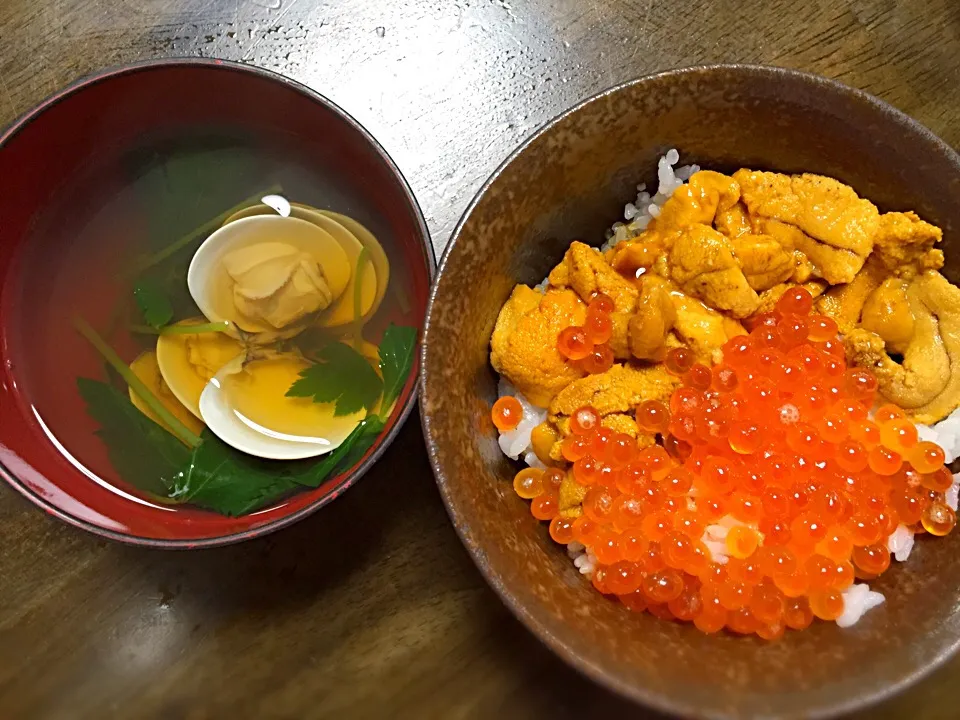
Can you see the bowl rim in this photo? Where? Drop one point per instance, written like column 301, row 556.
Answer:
column 639, row 694
column 383, row 442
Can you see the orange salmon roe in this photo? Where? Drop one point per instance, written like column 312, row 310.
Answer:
column 926, row 457
column 588, row 344
column 584, row 421
column 795, row 301
column 653, row 416
column 507, row 413
column 678, row 361
column 601, row 303
column 598, row 360
column 528, row 483
column 561, row 530
column 938, row 519
column 598, row 327
column 826, row 604
column 545, row 506
column 772, row 490
column 698, row 377
column 574, row 344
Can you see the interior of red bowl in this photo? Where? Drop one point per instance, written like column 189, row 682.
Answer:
column 72, row 159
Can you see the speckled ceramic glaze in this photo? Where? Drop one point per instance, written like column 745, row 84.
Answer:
column 570, row 181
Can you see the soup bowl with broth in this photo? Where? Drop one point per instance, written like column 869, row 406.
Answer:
column 210, row 306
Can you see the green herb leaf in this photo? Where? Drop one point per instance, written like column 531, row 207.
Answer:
column 217, row 477
column 184, row 186
column 143, row 453
column 346, row 456
column 222, row 479
column 153, row 302
column 227, row 481
column 341, row 376
column 396, row 359
column 214, row 475
column 135, row 383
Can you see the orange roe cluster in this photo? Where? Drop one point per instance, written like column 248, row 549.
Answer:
column 587, row 345
column 771, row 493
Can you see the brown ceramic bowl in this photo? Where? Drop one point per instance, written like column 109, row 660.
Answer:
column 571, row 180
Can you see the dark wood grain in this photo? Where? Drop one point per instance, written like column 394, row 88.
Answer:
column 371, row 608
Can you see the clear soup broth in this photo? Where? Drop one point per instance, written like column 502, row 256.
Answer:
column 322, row 339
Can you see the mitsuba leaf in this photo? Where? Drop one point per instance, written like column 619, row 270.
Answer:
column 229, row 482
column 396, row 359
column 182, row 186
column 344, row 457
column 153, row 302
column 220, row 478
column 143, row 453
column 342, row 376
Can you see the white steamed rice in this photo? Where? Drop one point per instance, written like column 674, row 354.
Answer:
column 515, row 444
column 946, row 434
column 857, row 599
column 646, row 207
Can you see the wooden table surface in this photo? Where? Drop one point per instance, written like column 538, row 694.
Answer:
column 371, row 607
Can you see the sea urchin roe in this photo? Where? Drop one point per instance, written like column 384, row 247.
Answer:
column 771, row 492
column 542, row 439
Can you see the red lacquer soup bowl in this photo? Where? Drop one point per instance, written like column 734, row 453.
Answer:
column 123, row 163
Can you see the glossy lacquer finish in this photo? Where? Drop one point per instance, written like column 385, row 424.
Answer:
column 91, row 122
column 568, row 182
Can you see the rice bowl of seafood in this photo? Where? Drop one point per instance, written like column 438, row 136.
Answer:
column 702, row 448
column 723, row 389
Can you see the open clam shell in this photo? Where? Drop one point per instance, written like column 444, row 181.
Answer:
column 212, row 286
column 242, row 406
column 353, row 236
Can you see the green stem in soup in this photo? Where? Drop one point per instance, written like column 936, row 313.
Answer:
column 402, row 300
column 182, row 329
column 201, row 231
column 137, row 385
column 397, row 349
column 358, row 299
